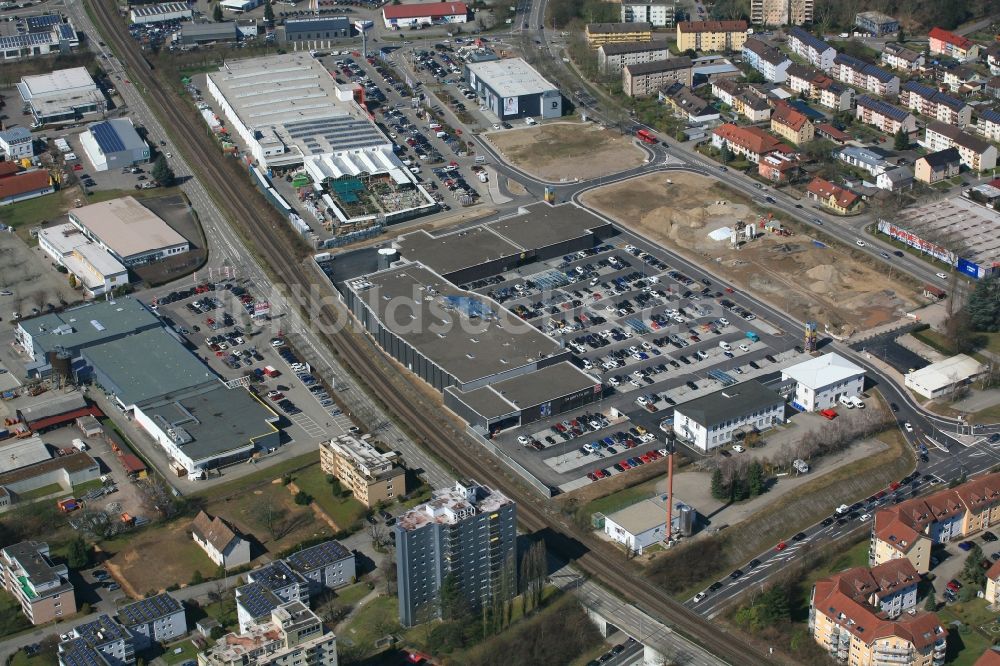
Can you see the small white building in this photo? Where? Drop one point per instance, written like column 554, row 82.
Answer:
column 223, row 544
column 241, row 6
column 944, row 377
column 821, row 381
column 711, row 420
column 16, row 143
column 167, row 11
column 643, row 524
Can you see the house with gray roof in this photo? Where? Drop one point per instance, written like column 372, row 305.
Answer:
column 223, row 543
column 712, row 420
column 156, row 619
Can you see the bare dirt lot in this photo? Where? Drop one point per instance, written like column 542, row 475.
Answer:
column 809, row 280
column 567, row 151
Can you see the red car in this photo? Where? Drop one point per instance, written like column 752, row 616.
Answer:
column 592, row 476
column 77, row 167
column 828, row 414
column 781, row 546
column 894, row 485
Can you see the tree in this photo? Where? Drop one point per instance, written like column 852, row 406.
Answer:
column 302, row 498
column 453, row 604
column 930, row 604
column 77, row 554
column 983, row 307
column 197, row 577
column 724, row 153
column 217, row 13
column 161, row 172
column 972, row 571
column 902, row 140
column 755, row 478
column 268, row 11
column 72, row 281
column 719, row 489
column 900, row 36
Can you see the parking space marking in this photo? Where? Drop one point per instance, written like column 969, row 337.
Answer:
column 306, row 422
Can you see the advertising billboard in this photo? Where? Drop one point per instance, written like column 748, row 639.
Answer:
column 913, row 240
column 509, row 106
column 971, row 269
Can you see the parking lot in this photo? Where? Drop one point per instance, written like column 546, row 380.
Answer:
column 217, row 321
column 654, row 335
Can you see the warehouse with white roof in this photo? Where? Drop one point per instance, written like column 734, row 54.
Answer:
column 821, row 381
column 511, row 88
column 96, row 270
column 132, row 233
column 62, row 96
column 290, row 112
column 944, row 377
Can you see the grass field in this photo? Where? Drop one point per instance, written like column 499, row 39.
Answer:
column 187, row 651
column 38, row 493
column 44, row 658
column 966, row 643
column 261, row 477
column 622, row 498
column 157, row 557
column 12, row 620
column 344, row 510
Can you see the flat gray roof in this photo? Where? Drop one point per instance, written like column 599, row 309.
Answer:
column 216, row 419
column 485, row 401
column 969, row 229
column 88, row 324
column 510, row 77
column 456, row 250
column 732, row 402
column 533, row 227
column 148, row 365
column 467, row 335
column 554, row 381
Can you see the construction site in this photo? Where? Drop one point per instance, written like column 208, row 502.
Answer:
column 807, row 278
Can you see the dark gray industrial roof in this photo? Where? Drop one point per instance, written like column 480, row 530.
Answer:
column 532, row 227
column 148, row 365
column 148, row 610
column 525, row 391
column 102, row 631
column 88, row 324
column 469, row 339
column 294, row 25
column 618, row 27
column 223, row 29
column 212, row 420
column 732, row 402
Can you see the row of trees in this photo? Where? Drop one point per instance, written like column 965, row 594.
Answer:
column 735, row 480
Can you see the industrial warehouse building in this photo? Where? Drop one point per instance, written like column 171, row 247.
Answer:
column 132, row 233
column 963, row 223
column 291, row 113
column 714, row 419
column 46, row 34
column 62, row 96
column 95, row 269
column 208, row 33
column 944, row 377
column 820, row 382
column 511, row 88
column 113, row 144
column 495, row 370
column 167, row 11
column 319, row 31
column 398, row 16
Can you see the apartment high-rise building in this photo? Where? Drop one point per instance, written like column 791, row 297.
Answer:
column 42, row 588
column 464, row 535
column 293, row 636
column 781, row 12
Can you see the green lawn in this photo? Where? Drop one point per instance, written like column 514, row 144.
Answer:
column 31, row 212
column 44, row 658
column 260, row 477
column 375, row 620
column 343, row 510
column 38, row 493
column 623, row 498
column 187, row 651
column 87, row 486
column 965, row 642
column 352, row 594
column 12, row 620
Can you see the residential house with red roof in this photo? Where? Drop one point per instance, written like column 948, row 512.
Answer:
column 867, row 616
column 424, row 13
column 791, row 124
column 946, row 43
column 749, row 142
column 832, row 196
column 20, row 185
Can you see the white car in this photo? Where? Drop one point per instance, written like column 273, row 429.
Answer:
column 860, row 243
column 6, row 292
column 907, row 427
column 496, row 126
column 943, row 276
column 613, row 381
column 842, row 509
column 745, row 348
column 642, row 401
column 866, row 517
column 738, row 449
column 522, row 440
column 698, row 597
column 723, row 321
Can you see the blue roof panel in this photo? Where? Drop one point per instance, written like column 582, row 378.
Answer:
column 107, row 138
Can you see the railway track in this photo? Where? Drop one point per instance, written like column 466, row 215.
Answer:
column 274, row 241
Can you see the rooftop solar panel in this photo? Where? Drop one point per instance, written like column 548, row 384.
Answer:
column 318, row 556
column 257, row 600
column 148, row 610
column 43, row 22
column 107, row 138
